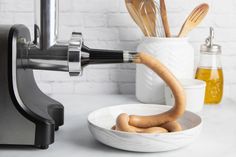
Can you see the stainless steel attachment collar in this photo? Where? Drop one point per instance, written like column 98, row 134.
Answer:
column 74, row 54
column 129, row 57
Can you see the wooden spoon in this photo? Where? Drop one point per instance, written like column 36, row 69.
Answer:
column 194, row 19
column 165, row 18
column 147, row 12
column 139, row 13
column 135, row 15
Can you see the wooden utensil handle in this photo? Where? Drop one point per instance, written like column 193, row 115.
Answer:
column 165, row 18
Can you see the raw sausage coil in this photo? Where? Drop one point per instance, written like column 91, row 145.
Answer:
column 161, row 122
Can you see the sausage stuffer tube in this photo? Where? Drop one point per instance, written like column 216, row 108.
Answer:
column 69, row 57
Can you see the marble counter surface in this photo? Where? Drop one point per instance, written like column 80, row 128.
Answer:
column 218, row 137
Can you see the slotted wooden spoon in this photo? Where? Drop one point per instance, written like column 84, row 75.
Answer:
column 194, row 19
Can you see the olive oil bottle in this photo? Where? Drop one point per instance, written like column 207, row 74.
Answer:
column 214, row 83
column 210, row 70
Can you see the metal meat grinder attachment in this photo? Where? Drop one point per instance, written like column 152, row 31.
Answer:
column 28, row 116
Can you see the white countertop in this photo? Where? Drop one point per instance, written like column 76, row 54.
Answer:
column 217, row 139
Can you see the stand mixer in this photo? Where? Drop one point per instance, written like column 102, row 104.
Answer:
column 28, row 116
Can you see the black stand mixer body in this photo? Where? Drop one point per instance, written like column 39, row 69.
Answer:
column 28, row 116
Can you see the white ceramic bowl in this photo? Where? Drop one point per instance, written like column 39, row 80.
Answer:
column 195, row 94
column 101, row 121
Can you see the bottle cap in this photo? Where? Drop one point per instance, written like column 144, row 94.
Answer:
column 209, row 47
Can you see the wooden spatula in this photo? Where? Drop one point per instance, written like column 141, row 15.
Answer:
column 194, row 19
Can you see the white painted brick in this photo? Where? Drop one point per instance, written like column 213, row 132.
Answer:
column 232, row 93
column 96, row 5
column 51, row 76
column 127, row 88
column 95, row 75
column 229, row 62
column 128, row 45
column 96, row 88
column 122, row 75
column 19, row 6
column 226, row 91
column 45, row 87
column 226, row 35
column 3, row 6
column 122, row 7
column 66, row 31
column 177, row 7
column 6, row 18
column 103, row 66
column 228, row 48
column 219, row 6
column 95, row 20
column 37, row 75
column 71, row 19
column 196, row 46
column 229, row 76
column 102, row 44
column 63, row 87
column 130, row 34
column 102, row 34
column 24, row 18
column 181, row 5
column 208, row 20
column 200, row 34
column 65, row 5
column 120, row 20
column 128, row 66
column 175, row 30
column 234, row 6
column 225, row 20
column 176, row 19
column 114, row 45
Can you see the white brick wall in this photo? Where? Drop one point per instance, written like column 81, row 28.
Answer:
column 106, row 24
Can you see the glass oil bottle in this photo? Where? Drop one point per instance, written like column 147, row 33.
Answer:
column 210, row 70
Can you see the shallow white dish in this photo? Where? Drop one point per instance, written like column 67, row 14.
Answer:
column 101, row 121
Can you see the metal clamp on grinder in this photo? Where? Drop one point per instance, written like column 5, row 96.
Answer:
column 28, row 116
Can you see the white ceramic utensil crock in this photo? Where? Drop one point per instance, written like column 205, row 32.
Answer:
column 175, row 53
column 101, row 121
column 195, row 94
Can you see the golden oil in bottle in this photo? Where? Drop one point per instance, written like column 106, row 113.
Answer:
column 210, row 70
column 214, row 83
